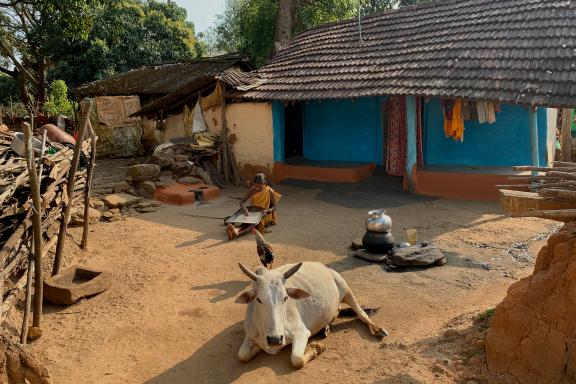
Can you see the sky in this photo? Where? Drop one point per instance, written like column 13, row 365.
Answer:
column 202, row 12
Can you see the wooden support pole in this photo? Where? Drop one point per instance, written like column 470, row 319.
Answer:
column 86, row 107
column 411, row 141
column 88, row 187
column 566, row 135
column 36, row 227
column 30, row 272
column 226, row 162
column 533, row 124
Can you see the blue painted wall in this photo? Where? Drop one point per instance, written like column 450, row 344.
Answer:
column 504, row 143
column 344, row 130
column 278, row 126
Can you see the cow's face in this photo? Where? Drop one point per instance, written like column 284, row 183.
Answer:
column 269, row 297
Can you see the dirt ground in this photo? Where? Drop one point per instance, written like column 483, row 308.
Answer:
column 171, row 316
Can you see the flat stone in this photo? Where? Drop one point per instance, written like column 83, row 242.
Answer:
column 181, row 168
column 77, row 218
column 149, row 187
column 147, row 209
column 165, row 183
column 143, row 172
column 417, row 256
column 372, row 257
column 121, row 187
column 190, row 180
column 96, row 203
column 119, row 200
column 148, row 203
column 163, row 160
column 181, row 158
column 357, row 244
column 108, row 215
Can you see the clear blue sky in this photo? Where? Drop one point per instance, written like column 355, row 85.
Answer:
column 202, row 12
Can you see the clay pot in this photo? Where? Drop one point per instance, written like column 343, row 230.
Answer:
column 378, row 242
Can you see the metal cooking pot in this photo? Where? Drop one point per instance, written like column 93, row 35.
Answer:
column 378, row 221
column 378, row 242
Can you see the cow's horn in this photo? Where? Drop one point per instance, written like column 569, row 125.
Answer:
column 292, row 271
column 248, row 272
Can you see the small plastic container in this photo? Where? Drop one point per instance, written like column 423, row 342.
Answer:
column 412, row 236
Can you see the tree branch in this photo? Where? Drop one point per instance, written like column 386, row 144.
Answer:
column 8, row 52
column 8, row 72
column 12, row 3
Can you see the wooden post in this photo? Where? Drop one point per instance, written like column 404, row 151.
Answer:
column 533, row 123
column 566, row 135
column 86, row 107
column 36, row 228
column 24, row 330
column 411, row 141
column 88, row 187
column 226, row 162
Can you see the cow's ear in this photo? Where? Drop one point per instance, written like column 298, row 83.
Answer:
column 297, row 293
column 246, row 297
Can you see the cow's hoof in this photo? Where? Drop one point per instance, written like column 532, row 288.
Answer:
column 318, row 348
column 326, row 331
column 378, row 331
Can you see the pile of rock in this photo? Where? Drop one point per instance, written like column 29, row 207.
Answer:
column 115, row 207
column 183, row 162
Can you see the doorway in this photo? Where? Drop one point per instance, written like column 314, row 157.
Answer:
column 294, row 131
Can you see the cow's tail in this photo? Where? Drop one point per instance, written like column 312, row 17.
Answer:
column 349, row 312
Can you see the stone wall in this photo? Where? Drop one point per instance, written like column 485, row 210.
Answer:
column 532, row 338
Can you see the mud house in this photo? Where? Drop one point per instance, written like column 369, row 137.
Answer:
column 151, row 104
column 448, row 94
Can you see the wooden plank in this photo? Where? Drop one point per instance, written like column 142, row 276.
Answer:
column 520, row 201
column 566, row 135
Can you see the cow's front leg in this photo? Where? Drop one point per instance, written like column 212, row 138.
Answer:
column 301, row 353
column 248, row 350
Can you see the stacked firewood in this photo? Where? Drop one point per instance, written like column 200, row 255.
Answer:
column 16, row 209
column 552, row 191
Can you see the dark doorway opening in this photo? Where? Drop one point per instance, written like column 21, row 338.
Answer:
column 294, row 130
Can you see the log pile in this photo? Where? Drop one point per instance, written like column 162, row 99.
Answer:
column 548, row 193
column 16, row 210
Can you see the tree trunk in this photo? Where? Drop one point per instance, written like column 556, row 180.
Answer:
column 284, row 24
column 23, row 90
column 41, row 95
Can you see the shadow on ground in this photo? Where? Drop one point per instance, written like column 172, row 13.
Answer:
column 379, row 190
column 199, row 368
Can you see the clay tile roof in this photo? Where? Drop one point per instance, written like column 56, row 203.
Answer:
column 163, row 79
column 517, row 51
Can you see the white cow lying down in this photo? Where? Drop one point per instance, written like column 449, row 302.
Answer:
column 291, row 303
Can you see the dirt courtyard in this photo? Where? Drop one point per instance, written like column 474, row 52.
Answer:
column 171, row 316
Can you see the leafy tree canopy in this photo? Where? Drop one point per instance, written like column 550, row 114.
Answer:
column 127, row 35
column 248, row 26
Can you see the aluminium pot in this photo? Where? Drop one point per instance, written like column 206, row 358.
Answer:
column 378, row 221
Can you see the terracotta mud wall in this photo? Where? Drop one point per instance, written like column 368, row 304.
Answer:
column 532, row 338
column 250, row 134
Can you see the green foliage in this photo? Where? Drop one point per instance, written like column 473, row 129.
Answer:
column 8, row 89
column 128, row 34
column 58, row 103
column 249, row 26
column 486, row 314
column 30, row 32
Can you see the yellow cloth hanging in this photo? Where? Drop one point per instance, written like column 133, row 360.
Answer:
column 454, row 121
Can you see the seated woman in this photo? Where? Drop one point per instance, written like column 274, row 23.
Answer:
column 261, row 196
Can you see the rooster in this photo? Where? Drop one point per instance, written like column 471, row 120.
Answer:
column 264, row 250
